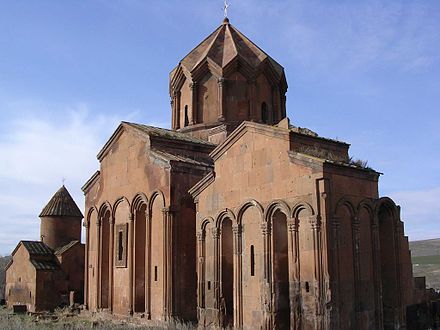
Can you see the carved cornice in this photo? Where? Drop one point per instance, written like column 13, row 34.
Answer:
column 201, row 235
column 236, row 229
column 265, row 228
column 215, row 233
column 315, row 222
column 292, row 225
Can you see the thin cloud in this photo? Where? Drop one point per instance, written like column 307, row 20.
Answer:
column 420, row 212
column 37, row 152
column 350, row 36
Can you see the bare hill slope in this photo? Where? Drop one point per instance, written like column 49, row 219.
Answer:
column 426, row 261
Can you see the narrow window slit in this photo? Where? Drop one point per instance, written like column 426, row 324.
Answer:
column 252, row 261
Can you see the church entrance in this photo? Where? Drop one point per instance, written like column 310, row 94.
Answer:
column 226, row 299
column 280, row 271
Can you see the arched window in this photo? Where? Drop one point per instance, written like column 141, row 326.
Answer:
column 186, row 116
column 264, row 113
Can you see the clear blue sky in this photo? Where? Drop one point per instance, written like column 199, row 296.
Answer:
column 366, row 72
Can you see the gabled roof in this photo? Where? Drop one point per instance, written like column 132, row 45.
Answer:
column 240, row 131
column 40, row 255
column 35, row 248
column 90, row 182
column 61, row 205
column 45, row 264
column 182, row 159
column 202, row 185
column 224, row 45
column 168, row 134
column 151, row 131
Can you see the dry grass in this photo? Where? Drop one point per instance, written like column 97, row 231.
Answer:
column 66, row 320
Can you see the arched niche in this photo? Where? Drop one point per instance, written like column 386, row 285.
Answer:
column 388, row 262
column 92, row 267
column 251, row 217
column 280, row 269
column 366, row 285
column 157, row 261
column 345, row 214
column 307, row 264
column 227, row 272
column 105, row 257
column 121, row 273
column 140, row 253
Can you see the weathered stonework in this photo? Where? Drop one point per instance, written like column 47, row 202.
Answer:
column 237, row 218
column 43, row 274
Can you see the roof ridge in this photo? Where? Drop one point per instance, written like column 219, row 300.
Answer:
column 66, row 247
column 178, row 135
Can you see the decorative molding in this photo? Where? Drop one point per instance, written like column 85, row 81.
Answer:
column 265, row 228
column 200, row 186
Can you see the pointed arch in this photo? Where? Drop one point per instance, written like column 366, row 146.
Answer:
column 205, row 222
column 138, row 200
column 104, row 255
column 389, row 205
column 299, row 207
column 345, row 201
column 226, row 213
column 368, row 205
column 89, row 215
column 249, row 203
column 275, row 205
column 156, row 194
column 119, row 201
column 386, row 215
column 105, row 206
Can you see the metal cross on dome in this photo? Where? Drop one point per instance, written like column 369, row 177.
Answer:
column 225, row 8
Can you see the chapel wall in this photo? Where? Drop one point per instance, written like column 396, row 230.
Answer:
column 21, row 281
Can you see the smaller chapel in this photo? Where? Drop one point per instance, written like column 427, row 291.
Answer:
column 237, row 218
column 49, row 273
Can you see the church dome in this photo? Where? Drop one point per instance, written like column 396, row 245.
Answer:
column 61, row 205
column 225, row 45
column 223, row 81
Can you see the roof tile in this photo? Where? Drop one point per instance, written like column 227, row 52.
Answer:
column 61, row 205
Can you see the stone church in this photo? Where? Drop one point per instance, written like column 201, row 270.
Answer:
column 43, row 275
column 235, row 217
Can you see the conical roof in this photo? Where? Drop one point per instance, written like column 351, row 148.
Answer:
column 224, row 45
column 61, row 205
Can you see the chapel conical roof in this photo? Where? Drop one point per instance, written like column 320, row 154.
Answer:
column 61, row 205
column 223, row 46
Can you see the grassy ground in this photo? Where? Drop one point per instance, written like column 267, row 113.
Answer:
column 426, row 261
column 69, row 321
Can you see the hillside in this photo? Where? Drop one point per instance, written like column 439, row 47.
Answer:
column 3, row 262
column 426, row 261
